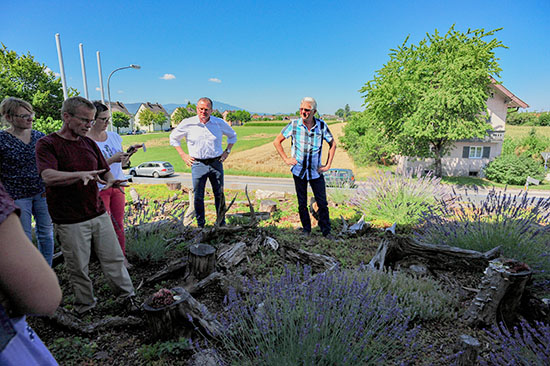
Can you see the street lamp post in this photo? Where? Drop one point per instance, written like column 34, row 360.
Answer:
column 132, row 66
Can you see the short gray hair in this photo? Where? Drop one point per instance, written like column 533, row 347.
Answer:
column 311, row 101
column 205, row 99
column 70, row 105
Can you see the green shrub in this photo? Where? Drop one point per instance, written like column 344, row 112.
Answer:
column 331, row 319
column 512, row 169
column 532, row 145
column 158, row 350
column 400, row 198
column 544, row 119
column 420, row 298
column 146, row 247
column 518, row 224
column 339, row 195
column 72, row 351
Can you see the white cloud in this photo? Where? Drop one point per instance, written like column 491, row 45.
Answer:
column 168, row 77
column 120, row 91
column 56, row 74
column 215, row 80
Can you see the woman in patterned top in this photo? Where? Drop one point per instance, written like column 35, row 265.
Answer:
column 19, row 174
column 110, row 144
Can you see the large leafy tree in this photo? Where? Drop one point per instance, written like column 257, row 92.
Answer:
column 429, row 95
column 181, row 114
column 120, row 120
column 23, row 77
column 160, row 119
column 146, row 117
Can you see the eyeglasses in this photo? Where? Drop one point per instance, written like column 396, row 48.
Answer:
column 104, row 120
column 24, row 116
column 84, row 120
column 305, row 109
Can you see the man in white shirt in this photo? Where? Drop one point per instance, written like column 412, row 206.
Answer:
column 204, row 134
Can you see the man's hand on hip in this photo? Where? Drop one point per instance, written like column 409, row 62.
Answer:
column 224, row 156
column 291, row 161
column 323, row 168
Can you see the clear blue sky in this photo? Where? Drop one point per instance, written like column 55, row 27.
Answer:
column 265, row 56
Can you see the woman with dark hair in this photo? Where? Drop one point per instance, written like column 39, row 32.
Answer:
column 110, row 144
column 19, row 174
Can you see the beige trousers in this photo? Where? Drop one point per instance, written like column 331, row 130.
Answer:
column 77, row 241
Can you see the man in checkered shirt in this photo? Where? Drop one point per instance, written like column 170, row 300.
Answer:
column 307, row 135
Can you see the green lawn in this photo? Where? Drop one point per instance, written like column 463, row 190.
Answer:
column 158, row 146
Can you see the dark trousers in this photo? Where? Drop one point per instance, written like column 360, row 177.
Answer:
column 320, row 194
column 200, row 172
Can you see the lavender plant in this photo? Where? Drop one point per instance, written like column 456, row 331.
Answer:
column 525, row 346
column 329, row 319
column 515, row 222
column 401, row 198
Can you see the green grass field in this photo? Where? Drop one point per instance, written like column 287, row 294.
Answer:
column 522, row 131
column 158, row 146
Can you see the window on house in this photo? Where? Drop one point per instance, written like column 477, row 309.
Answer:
column 476, row 152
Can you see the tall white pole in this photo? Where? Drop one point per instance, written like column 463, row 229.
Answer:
column 100, row 79
column 83, row 65
column 61, row 66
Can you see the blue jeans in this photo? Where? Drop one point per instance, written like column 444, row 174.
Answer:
column 36, row 206
column 320, row 193
column 200, row 172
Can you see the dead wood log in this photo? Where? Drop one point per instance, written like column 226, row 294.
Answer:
column 202, row 260
column 204, row 283
column 69, row 321
column 395, row 247
column 172, row 269
column 469, row 348
column 359, row 228
column 232, row 256
column 318, row 262
column 500, row 293
column 198, row 314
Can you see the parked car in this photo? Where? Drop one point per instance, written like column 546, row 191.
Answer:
column 343, row 178
column 153, row 169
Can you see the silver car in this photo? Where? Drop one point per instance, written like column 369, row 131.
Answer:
column 153, row 169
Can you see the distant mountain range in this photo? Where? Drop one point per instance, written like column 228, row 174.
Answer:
column 170, row 107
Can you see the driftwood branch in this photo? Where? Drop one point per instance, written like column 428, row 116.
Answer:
column 67, row 320
column 318, row 262
column 173, row 269
column 394, row 248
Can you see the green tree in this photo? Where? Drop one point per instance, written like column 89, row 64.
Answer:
column 47, row 125
column 146, row 118
column 431, row 94
column 181, row 114
column 340, row 113
column 346, row 112
column 242, row 116
column 25, row 78
column 217, row 113
column 120, row 120
column 160, row 119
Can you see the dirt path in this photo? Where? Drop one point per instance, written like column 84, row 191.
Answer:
column 266, row 159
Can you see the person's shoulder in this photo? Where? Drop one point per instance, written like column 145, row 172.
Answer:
column 114, row 135
column 37, row 134
column 217, row 119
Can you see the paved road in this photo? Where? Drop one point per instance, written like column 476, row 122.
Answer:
column 287, row 185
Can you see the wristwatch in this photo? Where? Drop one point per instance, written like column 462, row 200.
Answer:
column 228, row 151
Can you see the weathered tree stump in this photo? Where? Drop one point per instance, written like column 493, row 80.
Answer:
column 500, row 293
column 165, row 322
column 268, row 206
column 174, row 186
column 202, row 260
column 469, row 349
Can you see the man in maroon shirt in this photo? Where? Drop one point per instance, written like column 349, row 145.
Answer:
column 71, row 164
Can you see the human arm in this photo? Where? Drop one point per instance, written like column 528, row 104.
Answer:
column 27, row 283
column 52, row 177
column 331, row 152
column 111, row 181
column 279, row 147
column 187, row 159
